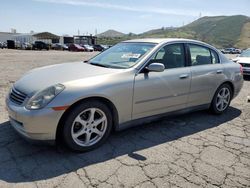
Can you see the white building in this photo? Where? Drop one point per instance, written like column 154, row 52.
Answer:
column 26, row 37
column 4, row 36
column 29, row 37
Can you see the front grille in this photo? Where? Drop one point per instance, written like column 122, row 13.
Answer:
column 245, row 64
column 17, row 96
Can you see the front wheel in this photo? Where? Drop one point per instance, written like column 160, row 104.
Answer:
column 87, row 126
column 221, row 99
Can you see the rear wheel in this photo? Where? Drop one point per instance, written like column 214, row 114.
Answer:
column 87, row 126
column 221, row 99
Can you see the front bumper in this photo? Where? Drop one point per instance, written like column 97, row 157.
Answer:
column 33, row 124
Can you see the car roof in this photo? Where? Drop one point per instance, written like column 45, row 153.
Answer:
column 168, row 40
column 162, row 40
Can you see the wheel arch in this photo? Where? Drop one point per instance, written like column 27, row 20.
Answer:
column 225, row 82
column 110, row 105
column 230, row 84
column 212, row 107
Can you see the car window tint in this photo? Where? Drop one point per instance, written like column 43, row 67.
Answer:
column 172, row 56
column 215, row 58
column 160, row 54
column 199, row 55
column 123, row 55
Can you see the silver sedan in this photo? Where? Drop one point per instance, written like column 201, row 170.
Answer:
column 132, row 82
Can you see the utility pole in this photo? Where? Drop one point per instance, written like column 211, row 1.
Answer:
column 200, row 15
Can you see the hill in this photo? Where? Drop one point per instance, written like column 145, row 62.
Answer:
column 158, row 31
column 220, row 31
column 110, row 34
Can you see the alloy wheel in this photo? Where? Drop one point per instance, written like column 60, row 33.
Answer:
column 89, row 127
column 223, row 99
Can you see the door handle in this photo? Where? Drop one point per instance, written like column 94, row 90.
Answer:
column 218, row 71
column 183, row 76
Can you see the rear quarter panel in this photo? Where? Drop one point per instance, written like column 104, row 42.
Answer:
column 233, row 74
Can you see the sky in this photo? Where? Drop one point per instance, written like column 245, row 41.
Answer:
column 90, row 16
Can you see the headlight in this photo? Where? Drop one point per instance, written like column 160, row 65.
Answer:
column 42, row 98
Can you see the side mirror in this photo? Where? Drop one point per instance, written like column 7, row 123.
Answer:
column 155, row 67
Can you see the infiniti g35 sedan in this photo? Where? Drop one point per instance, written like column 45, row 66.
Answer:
column 131, row 82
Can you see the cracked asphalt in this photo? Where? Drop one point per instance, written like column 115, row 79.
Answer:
column 192, row 150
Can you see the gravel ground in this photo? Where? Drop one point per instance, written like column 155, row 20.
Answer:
column 193, row 150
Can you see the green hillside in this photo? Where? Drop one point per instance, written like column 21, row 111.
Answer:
column 221, row 31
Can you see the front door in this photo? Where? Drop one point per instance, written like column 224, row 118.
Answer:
column 160, row 92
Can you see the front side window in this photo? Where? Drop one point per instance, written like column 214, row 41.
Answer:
column 122, row 55
column 172, row 56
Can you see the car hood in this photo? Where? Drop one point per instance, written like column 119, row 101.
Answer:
column 243, row 59
column 41, row 78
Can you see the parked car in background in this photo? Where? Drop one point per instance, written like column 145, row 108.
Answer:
column 40, row 45
column 237, row 51
column 231, row 51
column 10, row 44
column 244, row 60
column 227, row 51
column 4, row 45
column 1, row 45
column 132, row 82
column 26, row 46
column 100, row 47
column 88, row 48
column 58, row 46
column 76, row 48
column 18, row 45
column 106, row 46
column 224, row 51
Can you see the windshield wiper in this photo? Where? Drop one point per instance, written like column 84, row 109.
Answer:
column 100, row 65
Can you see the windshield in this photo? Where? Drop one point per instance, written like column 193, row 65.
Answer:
column 122, row 55
column 245, row 53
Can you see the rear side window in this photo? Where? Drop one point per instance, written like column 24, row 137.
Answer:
column 215, row 58
column 199, row 55
column 202, row 56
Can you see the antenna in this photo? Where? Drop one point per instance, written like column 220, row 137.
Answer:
column 200, row 15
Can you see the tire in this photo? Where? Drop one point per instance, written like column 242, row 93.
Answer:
column 84, row 121
column 221, row 99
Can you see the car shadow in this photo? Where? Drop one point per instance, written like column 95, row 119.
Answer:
column 21, row 161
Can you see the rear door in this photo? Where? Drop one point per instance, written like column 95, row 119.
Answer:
column 207, row 74
column 160, row 92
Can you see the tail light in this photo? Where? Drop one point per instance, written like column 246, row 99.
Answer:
column 241, row 69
